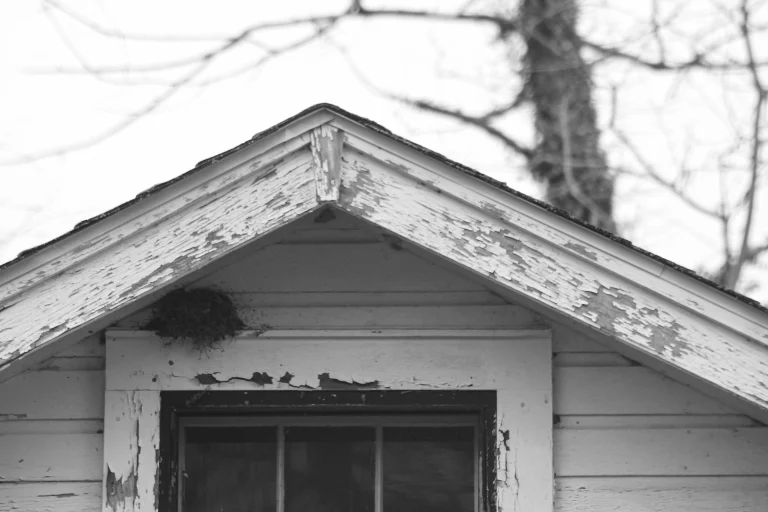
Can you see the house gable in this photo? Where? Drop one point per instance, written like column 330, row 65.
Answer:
column 329, row 158
column 621, row 434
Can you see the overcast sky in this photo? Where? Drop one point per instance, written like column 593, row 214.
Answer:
column 45, row 107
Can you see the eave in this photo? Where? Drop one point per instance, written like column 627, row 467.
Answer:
column 325, row 157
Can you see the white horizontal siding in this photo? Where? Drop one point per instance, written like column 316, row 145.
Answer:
column 662, row 494
column 51, row 441
column 628, row 439
column 50, row 497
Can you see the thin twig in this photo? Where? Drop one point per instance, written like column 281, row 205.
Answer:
column 756, row 144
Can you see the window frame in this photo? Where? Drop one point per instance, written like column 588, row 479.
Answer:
column 517, row 364
column 177, row 406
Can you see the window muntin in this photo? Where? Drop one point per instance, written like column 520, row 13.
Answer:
column 334, row 462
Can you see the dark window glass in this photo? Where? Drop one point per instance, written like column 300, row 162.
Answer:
column 230, row 469
column 329, row 469
column 429, row 469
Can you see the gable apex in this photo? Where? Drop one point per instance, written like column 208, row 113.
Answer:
column 324, row 156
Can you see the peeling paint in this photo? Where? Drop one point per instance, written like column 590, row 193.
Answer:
column 258, row 378
column 327, row 382
column 505, row 438
column 120, row 490
column 612, row 309
column 578, row 248
column 5, row 417
column 326, row 144
column 142, row 256
column 551, row 267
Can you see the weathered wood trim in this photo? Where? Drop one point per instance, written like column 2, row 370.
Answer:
column 464, row 227
column 156, row 206
column 131, row 451
column 91, row 294
column 569, row 236
column 517, row 366
column 326, row 147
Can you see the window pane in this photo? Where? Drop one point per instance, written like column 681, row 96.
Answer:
column 329, row 469
column 429, row 469
column 230, row 469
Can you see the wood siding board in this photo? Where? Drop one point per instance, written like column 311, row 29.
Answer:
column 668, row 494
column 92, row 346
column 157, row 256
column 661, row 452
column 470, row 234
column 591, row 359
column 352, row 267
column 53, row 395
column 369, row 298
column 50, row 497
column 50, row 457
column 640, row 421
column 626, row 390
column 46, row 426
column 390, row 317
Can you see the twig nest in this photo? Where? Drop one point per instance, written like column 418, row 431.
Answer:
column 200, row 316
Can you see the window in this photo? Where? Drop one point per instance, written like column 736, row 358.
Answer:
column 284, row 451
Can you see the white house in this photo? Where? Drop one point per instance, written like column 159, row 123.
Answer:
column 415, row 337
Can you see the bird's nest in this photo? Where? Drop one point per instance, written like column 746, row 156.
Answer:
column 200, row 316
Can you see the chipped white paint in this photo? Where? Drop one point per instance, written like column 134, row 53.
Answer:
column 578, row 288
column 131, row 448
column 517, row 364
column 326, row 143
column 156, row 207
column 206, row 228
column 568, row 236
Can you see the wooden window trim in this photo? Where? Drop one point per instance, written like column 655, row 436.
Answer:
column 177, row 405
column 517, row 364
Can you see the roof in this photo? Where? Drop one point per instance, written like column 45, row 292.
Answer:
column 123, row 260
column 432, row 154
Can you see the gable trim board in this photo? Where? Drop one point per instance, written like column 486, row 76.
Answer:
column 328, row 158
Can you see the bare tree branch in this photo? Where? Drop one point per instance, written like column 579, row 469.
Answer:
column 158, row 101
column 756, row 149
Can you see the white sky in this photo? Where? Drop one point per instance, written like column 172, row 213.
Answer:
column 455, row 64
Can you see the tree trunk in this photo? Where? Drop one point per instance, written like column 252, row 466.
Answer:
column 567, row 156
